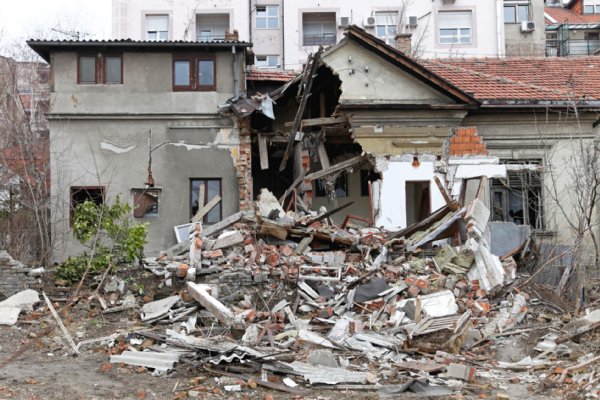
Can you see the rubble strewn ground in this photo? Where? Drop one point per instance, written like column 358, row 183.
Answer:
column 291, row 306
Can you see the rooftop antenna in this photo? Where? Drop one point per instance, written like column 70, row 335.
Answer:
column 76, row 35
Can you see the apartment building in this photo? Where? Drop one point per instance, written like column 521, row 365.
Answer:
column 285, row 32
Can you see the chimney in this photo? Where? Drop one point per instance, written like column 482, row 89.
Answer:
column 403, row 43
column 232, row 37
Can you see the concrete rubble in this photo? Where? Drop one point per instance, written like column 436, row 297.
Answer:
column 293, row 302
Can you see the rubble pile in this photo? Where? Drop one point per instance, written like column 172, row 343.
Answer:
column 291, row 302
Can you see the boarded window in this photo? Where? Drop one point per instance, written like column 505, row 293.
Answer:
column 145, row 203
column 202, row 191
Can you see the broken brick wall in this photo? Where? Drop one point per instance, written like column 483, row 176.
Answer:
column 466, row 141
column 244, row 166
column 14, row 276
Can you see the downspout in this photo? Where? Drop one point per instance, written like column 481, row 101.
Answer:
column 500, row 28
column 236, row 78
column 250, row 26
column 283, row 34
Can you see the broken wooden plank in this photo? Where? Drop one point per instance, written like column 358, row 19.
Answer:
column 311, row 69
column 299, row 250
column 308, row 122
column 329, row 213
column 289, row 190
column 219, row 226
column 228, row 241
column 60, row 324
column 323, row 156
column 347, row 164
column 451, row 204
column 262, row 150
column 269, row 227
column 207, row 207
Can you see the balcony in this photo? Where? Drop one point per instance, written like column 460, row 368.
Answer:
column 571, row 47
column 318, row 39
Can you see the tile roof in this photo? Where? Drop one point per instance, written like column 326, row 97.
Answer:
column 510, row 80
column 565, row 15
column 270, row 75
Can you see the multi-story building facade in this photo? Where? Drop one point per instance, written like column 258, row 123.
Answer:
column 284, row 32
column 573, row 30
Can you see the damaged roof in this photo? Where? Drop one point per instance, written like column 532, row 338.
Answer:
column 270, row 75
column 542, row 80
column 44, row 47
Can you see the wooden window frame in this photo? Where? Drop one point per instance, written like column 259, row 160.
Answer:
column 99, row 68
column 191, row 190
column 194, row 85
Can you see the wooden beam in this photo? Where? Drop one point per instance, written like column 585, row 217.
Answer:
column 292, row 187
column 305, row 123
column 219, row 226
column 262, row 149
column 350, row 163
column 207, row 207
column 323, row 156
column 311, row 71
column 329, row 213
column 451, row 204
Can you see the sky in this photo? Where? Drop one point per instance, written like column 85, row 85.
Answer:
column 26, row 19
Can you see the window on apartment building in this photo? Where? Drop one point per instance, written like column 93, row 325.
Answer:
column 518, row 198
column 455, row 27
column 81, row 194
column 341, row 186
column 211, row 27
column 385, row 26
column 591, row 6
column 267, row 62
column 516, row 12
column 267, row 17
column 194, row 73
column 100, row 69
column 318, row 29
column 157, row 27
column 207, row 188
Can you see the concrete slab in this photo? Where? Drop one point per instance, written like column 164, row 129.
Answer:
column 507, row 236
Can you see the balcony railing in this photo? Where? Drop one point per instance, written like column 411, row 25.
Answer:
column 571, row 47
column 318, row 39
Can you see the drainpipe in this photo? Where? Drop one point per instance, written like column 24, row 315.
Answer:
column 250, row 27
column 283, row 34
column 500, row 28
column 236, row 78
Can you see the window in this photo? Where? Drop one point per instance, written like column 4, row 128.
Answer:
column 100, row 69
column 267, row 17
column 211, row 27
column 455, row 27
column 591, row 6
column 194, row 73
column 385, row 26
column 81, row 194
column 318, row 29
column 145, row 203
column 208, row 188
column 518, row 199
column 157, row 27
column 516, row 11
column 267, row 62
column 340, row 186
column 591, row 35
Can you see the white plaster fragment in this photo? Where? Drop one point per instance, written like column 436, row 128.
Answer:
column 114, row 148
column 473, row 171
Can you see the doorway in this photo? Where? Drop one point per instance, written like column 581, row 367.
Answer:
column 418, row 201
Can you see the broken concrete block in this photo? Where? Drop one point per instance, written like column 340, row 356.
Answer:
column 23, row 300
column 228, row 239
column 439, row 304
column 158, row 308
column 9, row 315
column 323, row 357
column 218, row 309
column 461, row 371
column 269, row 205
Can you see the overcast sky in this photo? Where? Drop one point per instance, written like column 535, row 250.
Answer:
column 26, row 19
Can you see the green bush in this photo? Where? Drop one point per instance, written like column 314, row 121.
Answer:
column 109, row 230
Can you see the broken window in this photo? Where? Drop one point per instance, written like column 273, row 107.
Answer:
column 366, row 176
column 340, row 186
column 518, row 199
column 81, row 194
column 145, row 203
column 206, row 190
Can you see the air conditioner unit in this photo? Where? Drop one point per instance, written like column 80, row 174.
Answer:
column 527, row 26
column 369, row 21
column 343, row 22
column 412, row 21
column 448, row 1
